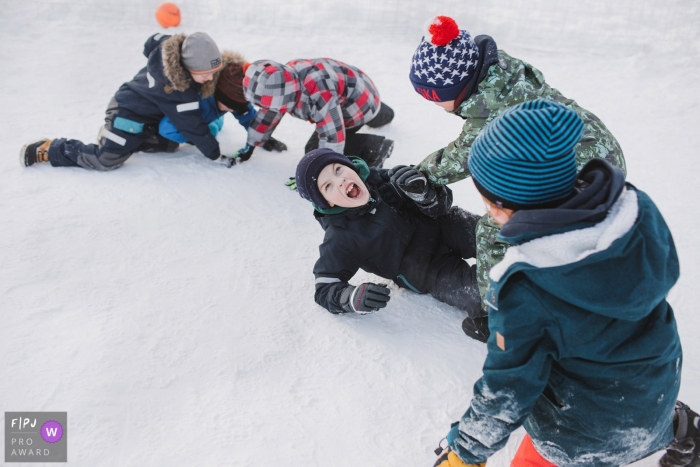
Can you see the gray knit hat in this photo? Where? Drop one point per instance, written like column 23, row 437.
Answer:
column 200, row 54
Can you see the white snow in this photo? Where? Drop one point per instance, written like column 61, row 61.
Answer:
column 168, row 306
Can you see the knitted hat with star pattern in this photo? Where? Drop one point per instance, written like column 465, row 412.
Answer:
column 444, row 61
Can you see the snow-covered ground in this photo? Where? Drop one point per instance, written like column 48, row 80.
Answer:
column 168, row 306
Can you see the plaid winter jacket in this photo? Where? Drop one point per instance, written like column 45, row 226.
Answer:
column 329, row 93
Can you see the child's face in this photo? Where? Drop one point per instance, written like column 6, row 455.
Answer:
column 203, row 78
column 342, row 186
column 500, row 215
column 447, row 105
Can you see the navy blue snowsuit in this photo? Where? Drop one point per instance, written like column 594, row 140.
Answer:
column 391, row 238
column 163, row 88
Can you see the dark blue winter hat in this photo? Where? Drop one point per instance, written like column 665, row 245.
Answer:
column 308, row 169
column 525, row 157
column 444, row 61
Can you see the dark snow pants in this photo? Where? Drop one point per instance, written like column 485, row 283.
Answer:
column 363, row 145
column 114, row 148
column 453, row 279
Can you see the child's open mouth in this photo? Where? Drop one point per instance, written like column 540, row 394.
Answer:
column 353, row 191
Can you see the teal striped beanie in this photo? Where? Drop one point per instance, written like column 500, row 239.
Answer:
column 525, row 157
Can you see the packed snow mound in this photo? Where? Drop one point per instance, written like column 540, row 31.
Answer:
column 168, row 306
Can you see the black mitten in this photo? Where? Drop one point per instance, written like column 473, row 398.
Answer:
column 365, row 298
column 414, row 184
column 432, row 200
column 273, row 144
column 441, row 206
column 244, row 154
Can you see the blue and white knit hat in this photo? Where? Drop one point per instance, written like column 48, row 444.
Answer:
column 525, row 158
column 444, row 61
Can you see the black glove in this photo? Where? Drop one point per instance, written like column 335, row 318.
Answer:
column 273, row 144
column 432, row 201
column 241, row 155
column 244, row 154
column 365, row 298
column 411, row 181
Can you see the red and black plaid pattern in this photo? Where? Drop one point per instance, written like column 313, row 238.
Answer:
column 329, row 93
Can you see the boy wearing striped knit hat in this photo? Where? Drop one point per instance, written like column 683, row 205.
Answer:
column 475, row 80
column 584, row 351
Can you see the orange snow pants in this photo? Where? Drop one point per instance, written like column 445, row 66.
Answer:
column 527, row 456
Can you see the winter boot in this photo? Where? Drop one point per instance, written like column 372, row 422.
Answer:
column 157, row 143
column 34, row 152
column 684, row 450
column 373, row 149
column 384, row 151
column 477, row 328
column 383, row 117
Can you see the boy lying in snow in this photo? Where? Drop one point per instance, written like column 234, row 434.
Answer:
column 369, row 224
column 476, row 81
column 584, row 350
column 337, row 97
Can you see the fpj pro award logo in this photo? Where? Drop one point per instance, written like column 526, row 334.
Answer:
column 36, row 437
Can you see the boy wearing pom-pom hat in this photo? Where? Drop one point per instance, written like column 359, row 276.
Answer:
column 584, row 351
column 473, row 79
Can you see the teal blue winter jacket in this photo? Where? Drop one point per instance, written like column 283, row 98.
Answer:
column 584, row 350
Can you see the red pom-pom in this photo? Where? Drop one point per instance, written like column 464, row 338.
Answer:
column 441, row 30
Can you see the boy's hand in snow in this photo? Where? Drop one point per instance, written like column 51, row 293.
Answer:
column 244, row 154
column 273, row 144
column 450, row 459
column 365, row 298
column 227, row 161
column 241, row 155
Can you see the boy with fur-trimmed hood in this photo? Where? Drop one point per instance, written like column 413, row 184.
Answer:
column 584, row 351
column 228, row 97
column 370, row 224
column 180, row 71
column 338, row 98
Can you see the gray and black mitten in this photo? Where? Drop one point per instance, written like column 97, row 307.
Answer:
column 431, row 200
column 365, row 298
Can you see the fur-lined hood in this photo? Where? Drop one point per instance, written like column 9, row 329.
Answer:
column 176, row 73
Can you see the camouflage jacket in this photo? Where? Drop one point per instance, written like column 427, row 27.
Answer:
column 507, row 82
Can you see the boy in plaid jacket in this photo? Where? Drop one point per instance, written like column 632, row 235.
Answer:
column 337, row 97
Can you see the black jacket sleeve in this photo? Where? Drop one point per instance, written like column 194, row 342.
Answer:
column 334, row 268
